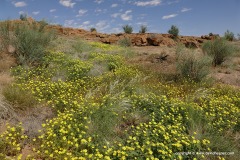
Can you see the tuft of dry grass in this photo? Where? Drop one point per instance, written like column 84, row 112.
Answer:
column 19, row 98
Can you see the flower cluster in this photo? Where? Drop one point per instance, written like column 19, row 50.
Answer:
column 12, row 140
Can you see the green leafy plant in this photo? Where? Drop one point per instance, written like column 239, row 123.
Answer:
column 219, row 49
column 127, row 29
column 174, row 31
column 143, row 29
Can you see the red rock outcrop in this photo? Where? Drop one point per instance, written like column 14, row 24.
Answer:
column 137, row 39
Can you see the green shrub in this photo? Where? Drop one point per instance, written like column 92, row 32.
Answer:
column 23, row 17
column 31, row 43
column 29, row 40
column 93, row 29
column 193, row 67
column 127, row 29
column 219, row 49
column 143, row 29
column 125, row 42
column 229, row 35
column 174, row 31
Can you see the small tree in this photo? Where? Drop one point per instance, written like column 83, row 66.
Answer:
column 174, row 31
column 229, row 35
column 127, row 29
column 143, row 29
column 23, row 17
column 93, row 29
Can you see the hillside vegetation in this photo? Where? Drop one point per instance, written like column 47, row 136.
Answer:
column 103, row 107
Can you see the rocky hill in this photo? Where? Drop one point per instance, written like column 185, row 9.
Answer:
column 137, row 39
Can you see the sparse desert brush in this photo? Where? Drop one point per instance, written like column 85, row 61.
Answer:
column 29, row 40
column 93, row 29
column 219, row 49
column 127, row 29
column 18, row 97
column 31, row 44
column 143, row 29
column 229, row 35
column 125, row 42
column 192, row 66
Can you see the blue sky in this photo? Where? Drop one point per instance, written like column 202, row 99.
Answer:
column 193, row 17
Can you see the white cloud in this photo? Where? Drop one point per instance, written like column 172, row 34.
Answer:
column 114, row 5
column 126, row 16
column 81, row 12
column 99, row 1
column 169, row 16
column 148, row 3
column 172, row 2
column 98, row 11
column 86, row 22
column 69, row 23
column 19, row 4
column 67, row 3
column 115, row 30
column 21, row 12
column 102, row 25
column 36, row 13
column 115, row 15
column 186, row 9
column 52, row 10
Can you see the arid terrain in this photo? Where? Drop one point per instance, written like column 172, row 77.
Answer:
column 88, row 97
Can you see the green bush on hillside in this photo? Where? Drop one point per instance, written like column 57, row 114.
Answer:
column 229, row 35
column 193, row 67
column 219, row 49
column 127, row 29
column 174, row 31
column 29, row 40
column 143, row 29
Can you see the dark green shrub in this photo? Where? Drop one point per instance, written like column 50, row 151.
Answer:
column 193, row 67
column 127, row 29
column 229, row 35
column 125, row 42
column 174, row 31
column 143, row 29
column 23, row 17
column 219, row 49
column 93, row 29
